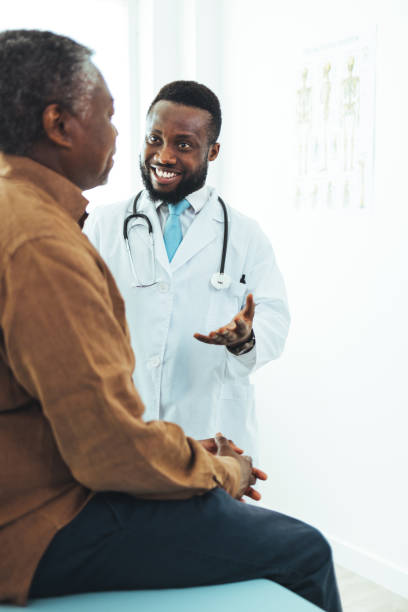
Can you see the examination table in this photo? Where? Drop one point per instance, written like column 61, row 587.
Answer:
column 252, row 595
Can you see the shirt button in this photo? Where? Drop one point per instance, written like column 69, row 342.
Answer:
column 163, row 287
column 154, row 362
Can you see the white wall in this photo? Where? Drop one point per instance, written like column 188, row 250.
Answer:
column 334, row 409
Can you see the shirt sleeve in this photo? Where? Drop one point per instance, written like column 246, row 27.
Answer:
column 272, row 318
column 68, row 345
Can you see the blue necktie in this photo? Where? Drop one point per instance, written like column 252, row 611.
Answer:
column 172, row 230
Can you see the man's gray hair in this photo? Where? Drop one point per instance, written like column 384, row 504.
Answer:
column 38, row 68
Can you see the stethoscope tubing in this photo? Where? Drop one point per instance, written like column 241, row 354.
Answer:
column 135, row 215
column 225, row 241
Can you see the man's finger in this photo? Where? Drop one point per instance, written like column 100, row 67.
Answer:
column 253, row 494
column 202, row 338
column 249, row 308
column 221, row 440
column 259, row 474
column 209, row 339
column 236, row 448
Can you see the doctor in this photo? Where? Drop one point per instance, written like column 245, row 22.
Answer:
column 197, row 334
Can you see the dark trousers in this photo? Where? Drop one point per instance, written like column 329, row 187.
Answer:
column 119, row 542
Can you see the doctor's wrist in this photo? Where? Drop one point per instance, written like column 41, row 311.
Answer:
column 243, row 347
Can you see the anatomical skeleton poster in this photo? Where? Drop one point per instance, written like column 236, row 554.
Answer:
column 335, row 126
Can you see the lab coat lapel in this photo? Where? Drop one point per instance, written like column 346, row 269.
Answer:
column 148, row 208
column 200, row 233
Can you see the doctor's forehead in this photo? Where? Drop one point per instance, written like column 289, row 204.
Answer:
column 171, row 116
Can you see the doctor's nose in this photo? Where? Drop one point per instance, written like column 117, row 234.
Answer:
column 165, row 155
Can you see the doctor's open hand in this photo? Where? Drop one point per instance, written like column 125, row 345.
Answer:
column 237, row 331
column 249, row 474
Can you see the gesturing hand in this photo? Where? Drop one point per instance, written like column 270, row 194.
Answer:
column 237, row 331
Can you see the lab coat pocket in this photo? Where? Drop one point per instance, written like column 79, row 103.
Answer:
column 224, row 304
column 238, row 289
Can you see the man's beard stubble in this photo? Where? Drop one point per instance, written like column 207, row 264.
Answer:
column 185, row 187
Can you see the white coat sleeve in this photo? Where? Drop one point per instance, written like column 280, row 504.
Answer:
column 272, row 319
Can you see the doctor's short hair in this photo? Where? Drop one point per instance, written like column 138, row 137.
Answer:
column 38, row 68
column 191, row 93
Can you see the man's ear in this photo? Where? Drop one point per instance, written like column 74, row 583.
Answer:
column 213, row 151
column 56, row 124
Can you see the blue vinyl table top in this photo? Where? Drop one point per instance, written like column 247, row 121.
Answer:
column 253, row 595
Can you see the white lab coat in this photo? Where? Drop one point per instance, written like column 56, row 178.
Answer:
column 201, row 387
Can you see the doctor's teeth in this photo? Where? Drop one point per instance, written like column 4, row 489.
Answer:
column 164, row 174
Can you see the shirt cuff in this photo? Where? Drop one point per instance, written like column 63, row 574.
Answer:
column 243, row 347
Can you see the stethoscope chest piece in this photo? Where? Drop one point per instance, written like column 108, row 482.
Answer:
column 219, row 280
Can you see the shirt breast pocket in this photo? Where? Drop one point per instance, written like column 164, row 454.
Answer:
column 224, row 304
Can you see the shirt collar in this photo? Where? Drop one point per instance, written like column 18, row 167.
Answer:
column 66, row 194
column 197, row 199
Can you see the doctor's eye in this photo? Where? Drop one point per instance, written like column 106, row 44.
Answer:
column 152, row 139
column 184, row 146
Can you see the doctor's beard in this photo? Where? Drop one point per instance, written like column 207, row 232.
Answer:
column 185, row 187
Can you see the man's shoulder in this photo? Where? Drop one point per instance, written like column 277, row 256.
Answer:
column 29, row 213
column 33, row 220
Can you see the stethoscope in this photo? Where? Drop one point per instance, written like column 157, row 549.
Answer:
column 219, row 280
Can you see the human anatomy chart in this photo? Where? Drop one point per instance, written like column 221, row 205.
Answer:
column 335, row 118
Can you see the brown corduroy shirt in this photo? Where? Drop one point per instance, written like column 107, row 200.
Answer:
column 70, row 417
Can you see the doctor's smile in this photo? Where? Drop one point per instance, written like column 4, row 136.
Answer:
column 164, row 176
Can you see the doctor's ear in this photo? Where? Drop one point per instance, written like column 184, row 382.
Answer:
column 213, row 151
column 56, row 122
